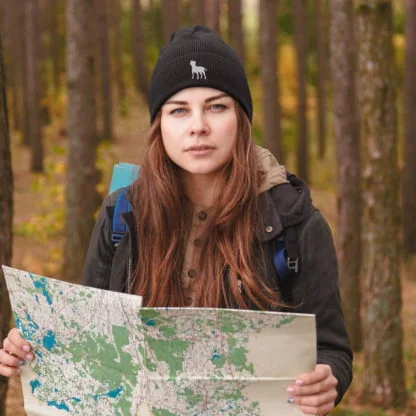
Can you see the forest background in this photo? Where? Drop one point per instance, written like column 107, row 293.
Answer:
column 333, row 85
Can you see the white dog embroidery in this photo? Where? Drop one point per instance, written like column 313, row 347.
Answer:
column 198, row 70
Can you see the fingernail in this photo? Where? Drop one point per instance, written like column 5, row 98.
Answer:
column 26, row 348
column 300, row 381
column 290, row 389
column 290, row 400
column 29, row 357
column 22, row 362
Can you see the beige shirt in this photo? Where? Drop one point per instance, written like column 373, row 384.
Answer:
column 275, row 174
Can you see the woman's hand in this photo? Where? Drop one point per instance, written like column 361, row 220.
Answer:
column 314, row 392
column 14, row 353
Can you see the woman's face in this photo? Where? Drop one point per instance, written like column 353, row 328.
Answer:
column 199, row 129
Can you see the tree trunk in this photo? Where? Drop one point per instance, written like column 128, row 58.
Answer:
column 346, row 129
column 10, row 23
column 382, row 330
column 118, row 52
column 139, row 50
column 300, row 41
column 82, row 176
column 54, row 44
column 235, row 27
column 24, row 75
column 105, row 64
column 155, row 14
column 409, row 177
column 212, row 14
column 170, row 18
column 197, row 12
column 269, row 69
column 33, row 83
column 321, row 39
column 42, row 63
column 6, row 218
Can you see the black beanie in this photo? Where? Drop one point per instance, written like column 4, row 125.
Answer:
column 197, row 57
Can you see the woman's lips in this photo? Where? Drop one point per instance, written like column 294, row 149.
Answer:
column 200, row 150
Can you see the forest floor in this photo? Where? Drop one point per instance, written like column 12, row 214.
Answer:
column 38, row 241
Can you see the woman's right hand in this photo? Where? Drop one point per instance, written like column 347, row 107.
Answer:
column 14, row 353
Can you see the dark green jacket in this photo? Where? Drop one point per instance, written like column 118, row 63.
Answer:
column 314, row 290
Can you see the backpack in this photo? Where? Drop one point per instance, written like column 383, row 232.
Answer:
column 286, row 254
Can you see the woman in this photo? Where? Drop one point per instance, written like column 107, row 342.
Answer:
column 207, row 213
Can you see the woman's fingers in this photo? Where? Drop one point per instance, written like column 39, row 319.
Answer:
column 320, row 386
column 9, row 360
column 18, row 346
column 15, row 351
column 315, row 392
column 317, row 400
column 321, row 372
column 7, row 371
column 9, row 364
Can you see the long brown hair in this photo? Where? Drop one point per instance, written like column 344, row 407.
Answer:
column 227, row 265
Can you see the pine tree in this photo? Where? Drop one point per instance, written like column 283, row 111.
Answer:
column 382, row 330
column 6, row 217
column 82, row 176
column 346, row 129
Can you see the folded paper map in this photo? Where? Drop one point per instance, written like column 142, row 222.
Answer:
column 100, row 353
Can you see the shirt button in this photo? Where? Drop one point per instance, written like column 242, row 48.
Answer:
column 197, row 242
column 192, row 273
column 202, row 215
column 188, row 301
column 269, row 229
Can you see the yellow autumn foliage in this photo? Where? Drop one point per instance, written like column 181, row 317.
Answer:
column 287, row 78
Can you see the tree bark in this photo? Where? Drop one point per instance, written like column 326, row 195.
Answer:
column 155, row 12
column 346, row 129
column 170, row 18
column 409, row 156
column 118, row 52
column 197, row 12
column 300, row 42
column 82, row 176
column 10, row 22
column 105, row 64
column 269, row 69
column 33, row 83
column 235, row 27
column 21, row 36
column 43, row 26
column 54, row 10
column 6, row 217
column 212, row 14
column 139, row 50
column 322, row 76
column 382, row 329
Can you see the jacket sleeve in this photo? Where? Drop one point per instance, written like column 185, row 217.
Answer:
column 316, row 291
column 97, row 267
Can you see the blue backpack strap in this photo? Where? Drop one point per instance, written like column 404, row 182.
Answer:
column 121, row 206
column 280, row 261
column 284, row 265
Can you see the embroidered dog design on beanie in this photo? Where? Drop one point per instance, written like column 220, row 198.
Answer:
column 198, row 70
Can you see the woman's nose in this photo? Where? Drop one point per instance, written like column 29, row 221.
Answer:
column 199, row 125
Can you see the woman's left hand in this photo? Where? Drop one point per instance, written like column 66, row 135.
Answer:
column 314, row 392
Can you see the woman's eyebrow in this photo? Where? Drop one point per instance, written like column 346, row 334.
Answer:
column 176, row 102
column 208, row 100
column 216, row 97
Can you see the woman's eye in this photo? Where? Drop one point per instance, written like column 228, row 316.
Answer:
column 218, row 107
column 178, row 111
